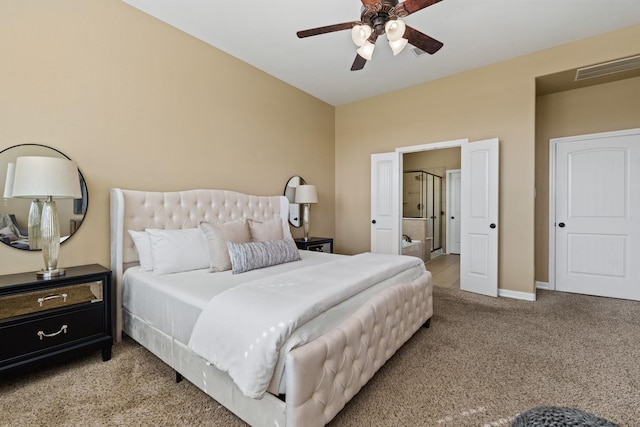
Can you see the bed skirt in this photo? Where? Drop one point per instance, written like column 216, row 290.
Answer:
column 322, row 375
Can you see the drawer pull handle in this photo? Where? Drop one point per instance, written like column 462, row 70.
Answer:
column 41, row 334
column 43, row 299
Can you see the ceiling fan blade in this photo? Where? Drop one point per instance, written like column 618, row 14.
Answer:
column 371, row 2
column 410, row 6
column 326, row 29
column 358, row 63
column 422, row 41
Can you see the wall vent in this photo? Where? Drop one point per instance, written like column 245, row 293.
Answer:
column 617, row 66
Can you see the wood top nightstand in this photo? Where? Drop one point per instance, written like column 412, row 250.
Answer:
column 318, row 244
column 44, row 320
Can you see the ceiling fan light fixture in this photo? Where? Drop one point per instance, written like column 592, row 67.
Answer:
column 360, row 34
column 366, row 50
column 395, row 29
column 398, row 45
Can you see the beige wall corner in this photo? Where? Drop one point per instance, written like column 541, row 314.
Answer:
column 139, row 104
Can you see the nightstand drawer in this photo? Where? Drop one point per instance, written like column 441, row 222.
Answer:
column 316, row 244
column 46, row 332
column 46, row 299
column 319, row 247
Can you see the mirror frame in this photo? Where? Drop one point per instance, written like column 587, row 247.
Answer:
column 290, row 193
column 77, row 207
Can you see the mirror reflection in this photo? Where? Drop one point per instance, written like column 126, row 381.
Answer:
column 290, row 193
column 14, row 212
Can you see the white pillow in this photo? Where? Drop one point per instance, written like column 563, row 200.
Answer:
column 173, row 251
column 143, row 247
column 286, row 231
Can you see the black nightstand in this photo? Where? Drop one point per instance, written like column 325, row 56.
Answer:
column 318, row 244
column 44, row 320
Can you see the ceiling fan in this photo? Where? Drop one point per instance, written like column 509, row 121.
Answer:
column 381, row 17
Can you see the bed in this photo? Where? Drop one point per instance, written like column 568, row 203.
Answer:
column 327, row 357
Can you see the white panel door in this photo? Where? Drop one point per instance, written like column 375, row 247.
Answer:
column 454, row 214
column 385, row 203
column 597, row 233
column 479, row 228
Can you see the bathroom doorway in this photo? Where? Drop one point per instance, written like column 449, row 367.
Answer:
column 424, row 197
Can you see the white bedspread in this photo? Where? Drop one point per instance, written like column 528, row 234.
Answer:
column 241, row 330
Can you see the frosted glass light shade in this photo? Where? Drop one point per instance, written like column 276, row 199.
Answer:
column 306, row 194
column 360, row 34
column 41, row 177
column 398, row 45
column 366, row 50
column 395, row 29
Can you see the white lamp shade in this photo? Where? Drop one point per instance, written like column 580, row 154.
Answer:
column 398, row 45
column 306, row 194
column 360, row 34
column 41, row 177
column 8, row 184
column 395, row 29
column 366, row 50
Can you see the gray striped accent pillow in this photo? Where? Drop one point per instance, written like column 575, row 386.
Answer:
column 254, row 255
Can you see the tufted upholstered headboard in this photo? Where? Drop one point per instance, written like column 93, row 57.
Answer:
column 139, row 210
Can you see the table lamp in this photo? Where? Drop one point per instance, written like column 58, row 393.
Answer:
column 47, row 178
column 306, row 194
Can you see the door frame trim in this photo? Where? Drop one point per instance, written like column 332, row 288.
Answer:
column 454, row 143
column 448, row 205
column 553, row 144
column 435, row 146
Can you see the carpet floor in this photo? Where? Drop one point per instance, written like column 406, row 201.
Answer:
column 481, row 363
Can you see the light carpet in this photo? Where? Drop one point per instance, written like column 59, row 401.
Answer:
column 482, row 362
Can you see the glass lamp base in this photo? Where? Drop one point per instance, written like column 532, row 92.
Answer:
column 48, row 274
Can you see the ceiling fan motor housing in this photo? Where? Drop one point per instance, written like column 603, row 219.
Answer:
column 376, row 15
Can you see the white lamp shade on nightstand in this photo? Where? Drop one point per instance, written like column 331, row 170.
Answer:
column 40, row 177
column 306, row 194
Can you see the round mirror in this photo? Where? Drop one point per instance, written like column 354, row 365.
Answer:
column 290, row 193
column 14, row 212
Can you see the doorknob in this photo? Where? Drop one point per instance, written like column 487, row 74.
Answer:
column 373, row 222
column 492, row 225
column 561, row 225
column 453, row 217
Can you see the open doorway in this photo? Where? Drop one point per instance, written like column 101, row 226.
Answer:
column 426, row 217
column 479, row 222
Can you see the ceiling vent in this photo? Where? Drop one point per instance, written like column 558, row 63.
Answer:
column 617, row 66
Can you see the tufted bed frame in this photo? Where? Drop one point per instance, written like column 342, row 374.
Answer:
column 322, row 375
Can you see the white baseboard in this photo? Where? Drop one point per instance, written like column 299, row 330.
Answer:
column 527, row 296
column 542, row 285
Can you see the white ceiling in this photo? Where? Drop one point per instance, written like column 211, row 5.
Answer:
column 474, row 33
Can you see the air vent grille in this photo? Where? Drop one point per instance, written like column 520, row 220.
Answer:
column 617, row 66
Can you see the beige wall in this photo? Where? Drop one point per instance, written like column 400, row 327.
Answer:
column 602, row 108
column 139, row 104
column 493, row 101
